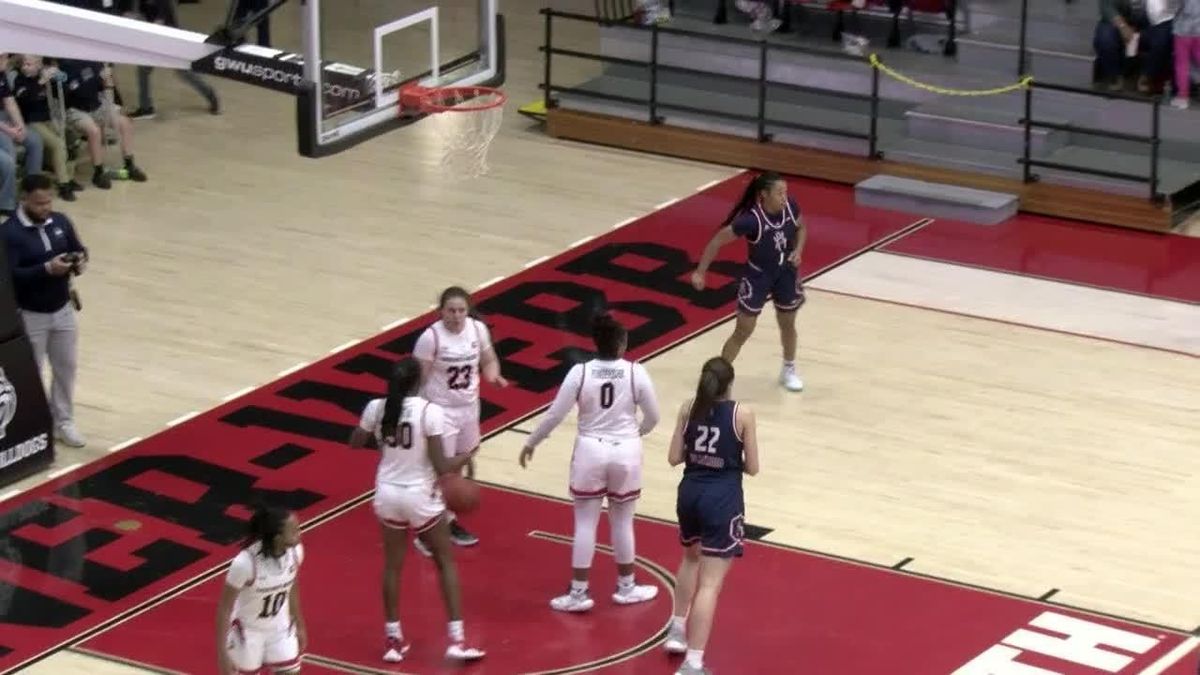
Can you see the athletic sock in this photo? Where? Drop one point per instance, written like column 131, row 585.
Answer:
column 625, row 581
column 579, row 587
column 679, row 623
column 695, row 658
column 457, row 632
column 392, row 629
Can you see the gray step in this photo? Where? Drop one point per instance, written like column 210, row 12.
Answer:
column 949, row 156
column 936, row 199
column 1174, row 175
column 989, row 129
column 1051, row 65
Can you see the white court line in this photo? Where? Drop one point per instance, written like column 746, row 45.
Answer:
column 124, row 444
column 583, row 241
column 489, row 282
column 665, row 204
column 288, row 371
column 535, row 261
column 711, row 183
column 240, row 392
column 1172, row 657
column 183, row 418
column 625, row 222
column 395, row 324
column 9, row 495
column 345, row 345
column 71, row 467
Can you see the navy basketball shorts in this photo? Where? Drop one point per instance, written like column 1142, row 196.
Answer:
column 783, row 287
column 711, row 513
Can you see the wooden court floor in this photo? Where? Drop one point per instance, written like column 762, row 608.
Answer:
column 240, row 259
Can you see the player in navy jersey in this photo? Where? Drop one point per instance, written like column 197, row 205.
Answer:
column 715, row 440
column 769, row 220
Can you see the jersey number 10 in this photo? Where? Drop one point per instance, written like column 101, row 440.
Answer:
column 706, row 439
column 272, row 604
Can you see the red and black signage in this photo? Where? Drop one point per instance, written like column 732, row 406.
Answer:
column 77, row 553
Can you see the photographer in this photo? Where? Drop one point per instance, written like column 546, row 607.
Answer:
column 44, row 253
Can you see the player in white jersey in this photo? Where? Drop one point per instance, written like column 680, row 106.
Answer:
column 259, row 623
column 409, row 431
column 455, row 353
column 607, row 460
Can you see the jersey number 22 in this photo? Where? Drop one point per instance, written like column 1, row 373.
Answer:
column 706, row 439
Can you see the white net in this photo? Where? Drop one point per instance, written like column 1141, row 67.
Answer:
column 467, row 123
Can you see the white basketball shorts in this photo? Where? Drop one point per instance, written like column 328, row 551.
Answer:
column 415, row 507
column 606, row 467
column 461, row 429
column 252, row 650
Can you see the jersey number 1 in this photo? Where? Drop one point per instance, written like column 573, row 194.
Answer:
column 459, row 377
column 272, row 604
column 706, row 439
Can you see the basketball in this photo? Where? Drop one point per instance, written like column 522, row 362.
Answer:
column 461, row 494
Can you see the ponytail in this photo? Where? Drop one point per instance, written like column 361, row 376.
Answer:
column 406, row 375
column 761, row 183
column 265, row 524
column 715, row 378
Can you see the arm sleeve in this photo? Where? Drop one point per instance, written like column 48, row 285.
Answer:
column 423, row 349
column 24, row 272
column 745, row 226
column 372, row 416
column 241, row 571
column 435, row 420
column 72, row 234
column 563, row 402
column 646, row 399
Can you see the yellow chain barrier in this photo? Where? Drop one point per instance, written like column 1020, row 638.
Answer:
column 1022, row 84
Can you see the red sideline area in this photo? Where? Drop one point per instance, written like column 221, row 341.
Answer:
column 96, row 545
column 1165, row 266
column 823, row 616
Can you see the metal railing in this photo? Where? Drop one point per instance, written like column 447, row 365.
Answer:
column 1153, row 139
column 654, row 103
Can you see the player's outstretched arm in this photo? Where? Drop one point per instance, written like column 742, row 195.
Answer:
column 675, row 452
column 564, row 400
column 749, row 431
column 722, row 237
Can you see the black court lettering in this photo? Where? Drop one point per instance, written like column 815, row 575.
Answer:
column 352, row 401
column 672, row 276
column 207, row 515
column 68, row 560
column 301, row 425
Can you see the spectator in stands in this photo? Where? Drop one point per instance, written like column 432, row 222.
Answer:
column 1129, row 27
column 31, row 88
column 247, row 7
column 90, row 110
column 761, row 13
column 163, row 13
column 44, row 252
column 12, row 125
column 1187, row 50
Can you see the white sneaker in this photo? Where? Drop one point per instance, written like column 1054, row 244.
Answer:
column 1180, row 103
column 573, row 602
column 396, row 649
column 461, row 652
column 635, row 594
column 69, row 435
column 421, row 547
column 676, row 641
column 790, row 380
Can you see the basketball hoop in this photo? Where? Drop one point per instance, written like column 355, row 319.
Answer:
column 467, row 130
